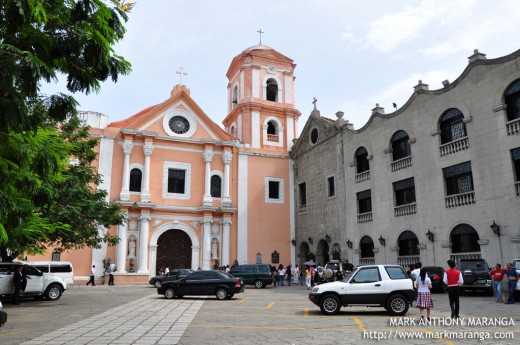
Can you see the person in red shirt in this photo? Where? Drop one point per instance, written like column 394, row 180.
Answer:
column 498, row 274
column 453, row 279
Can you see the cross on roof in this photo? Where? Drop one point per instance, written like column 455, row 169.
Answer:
column 181, row 72
column 314, row 102
column 260, row 32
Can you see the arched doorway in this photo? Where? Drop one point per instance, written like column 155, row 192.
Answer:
column 408, row 244
column 173, row 250
column 322, row 253
column 464, row 243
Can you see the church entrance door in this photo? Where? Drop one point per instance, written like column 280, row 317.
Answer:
column 173, row 250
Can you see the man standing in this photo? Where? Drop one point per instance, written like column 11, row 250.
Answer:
column 18, row 278
column 498, row 274
column 92, row 276
column 289, row 275
column 453, row 279
column 512, row 280
column 111, row 270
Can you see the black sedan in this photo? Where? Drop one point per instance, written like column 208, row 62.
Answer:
column 174, row 274
column 220, row 284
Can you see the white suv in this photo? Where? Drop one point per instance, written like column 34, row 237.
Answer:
column 39, row 285
column 385, row 286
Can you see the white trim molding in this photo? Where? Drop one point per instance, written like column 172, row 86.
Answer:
column 279, row 132
column 177, row 112
column 281, row 189
column 187, row 180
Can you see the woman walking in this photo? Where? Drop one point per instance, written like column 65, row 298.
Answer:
column 424, row 298
column 308, row 277
column 296, row 274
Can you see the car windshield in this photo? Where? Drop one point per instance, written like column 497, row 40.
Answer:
column 473, row 265
column 348, row 275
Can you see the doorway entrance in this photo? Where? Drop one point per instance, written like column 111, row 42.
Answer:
column 173, row 250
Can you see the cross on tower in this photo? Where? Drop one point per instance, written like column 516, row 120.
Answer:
column 260, row 32
column 181, row 72
column 314, row 102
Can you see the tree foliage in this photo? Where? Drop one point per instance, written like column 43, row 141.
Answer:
column 44, row 199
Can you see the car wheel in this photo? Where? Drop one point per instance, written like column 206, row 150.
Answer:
column 221, row 293
column 157, row 284
column 397, row 305
column 53, row 292
column 329, row 305
column 169, row 293
column 230, row 296
column 259, row 284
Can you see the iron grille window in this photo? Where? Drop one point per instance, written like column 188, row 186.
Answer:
column 515, row 156
column 464, row 239
column 366, row 247
column 331, row 185
column 458, row 178
column 303, row 194
column 408, row 244
column 513, row 101
column 274, row 190
column 404, row 191
column 216, row 186
column 135, row 180
column 271, row 90
column 362, row 164
column 176, row 181
column 452, row 126
column 400, row 145
column 364, row 200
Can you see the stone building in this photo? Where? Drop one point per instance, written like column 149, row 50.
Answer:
column 438, row 178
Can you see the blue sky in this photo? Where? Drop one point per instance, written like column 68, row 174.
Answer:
column 350, row 55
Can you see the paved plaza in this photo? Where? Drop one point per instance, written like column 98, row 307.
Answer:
column 281, row 315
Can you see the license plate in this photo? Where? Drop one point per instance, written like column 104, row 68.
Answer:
column 481, row 281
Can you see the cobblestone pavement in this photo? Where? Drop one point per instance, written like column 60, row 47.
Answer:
column 281, row 315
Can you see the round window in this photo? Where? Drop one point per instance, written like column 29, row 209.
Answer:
column 179, row 124
column 314, row 136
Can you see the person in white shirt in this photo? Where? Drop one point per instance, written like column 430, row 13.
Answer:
column 92, row 276
column 296, row 274
column 167, row 270
column 281, row 274
column 424, row 298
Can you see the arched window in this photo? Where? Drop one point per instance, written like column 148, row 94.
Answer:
column 233, row 131
column 452, row 126
column 235, row 97
column 408, row 244
column 216, row 186
column 400, row 145
column 366, row 246
column 271, row 92
column 464, row 239
column 513, row 101
column 271, row 128
column 136, row 178
column 362, row 164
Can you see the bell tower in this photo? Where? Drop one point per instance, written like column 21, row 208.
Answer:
column 261, row 111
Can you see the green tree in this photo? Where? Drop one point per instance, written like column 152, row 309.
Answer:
column 43, row 198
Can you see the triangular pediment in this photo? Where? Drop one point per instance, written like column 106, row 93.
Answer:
column 316, row 130
column 178, row 117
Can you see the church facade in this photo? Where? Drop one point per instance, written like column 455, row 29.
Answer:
column 438, row 178
column 197, row 195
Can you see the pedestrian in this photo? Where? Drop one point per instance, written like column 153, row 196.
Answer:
column 227, row 269
column 289, row 275
column 453, row 279
column 512, row 280
column 410, row 269
column 92, row 276
column 308, row 277
column 301, row 276
column 167, row 270
column 3, row 315
column 498, row 274
column 161, row 271
column 296, row 274
column 313, row 275
column 18, row 280
column 111, row 269
column 318, row 274
column 274, row 272
column 424, row 299
column 281, row 274
column 417, row 271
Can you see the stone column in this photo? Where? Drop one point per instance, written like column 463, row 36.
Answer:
column 226, row 223
column 206, row 244
column 195, row 257
column 153, row 260
column 145, row 194
column 226, row 158
column 142, row 256
column 208, row 157
column 125, row 188
column 121, row 248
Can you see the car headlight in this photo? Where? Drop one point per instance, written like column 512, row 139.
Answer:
column 315, row 289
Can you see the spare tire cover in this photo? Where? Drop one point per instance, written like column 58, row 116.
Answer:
column 328, row 273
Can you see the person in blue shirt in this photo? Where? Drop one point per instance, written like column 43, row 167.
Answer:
column 512, row 280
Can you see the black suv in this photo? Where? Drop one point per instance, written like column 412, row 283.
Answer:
column 475, row 273
column 258, row 275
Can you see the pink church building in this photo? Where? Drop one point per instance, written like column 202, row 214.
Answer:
column 196, row 194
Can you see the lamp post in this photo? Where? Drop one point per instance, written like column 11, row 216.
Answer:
column 496, row 230
column 382, row 241
column 349, row 244
column 430, row 236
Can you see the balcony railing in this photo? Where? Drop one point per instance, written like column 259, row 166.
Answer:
column 408, row 260
column 517, row 184
column 367, row 261
column 462, row 199
column 365, row 175
column 513, row 127
column 364, row 217
column 402, row 163
column 454, row 146
column 272, row 137
column 405, row 210
column 458, row 257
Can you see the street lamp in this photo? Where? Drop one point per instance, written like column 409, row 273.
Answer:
column 430, row 235
column 382, row 240
column 310, row 240
column 349, row 244
column 495, row 228
column 293, row 241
